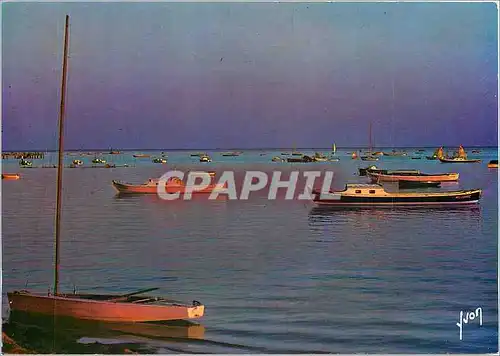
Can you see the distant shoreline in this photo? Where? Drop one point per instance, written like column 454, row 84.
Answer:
column 245, row 149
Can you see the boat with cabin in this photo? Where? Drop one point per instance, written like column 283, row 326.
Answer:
column 374, row 195
column 130, row 307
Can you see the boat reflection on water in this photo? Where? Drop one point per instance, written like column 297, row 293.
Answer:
column 328, row 214
column 49, row 334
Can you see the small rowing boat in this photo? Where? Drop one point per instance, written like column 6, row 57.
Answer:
column 172, row 186
column 394, row 176
column 493, row 163
column 11, row 176
column 141, row 155
column 359, row 195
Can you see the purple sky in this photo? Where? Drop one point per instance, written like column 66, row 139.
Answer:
column 223, row 75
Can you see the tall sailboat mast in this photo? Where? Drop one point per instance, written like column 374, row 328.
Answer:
column 60, row 158
column 370, row 148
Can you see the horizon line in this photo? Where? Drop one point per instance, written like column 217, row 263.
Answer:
column 241, row 149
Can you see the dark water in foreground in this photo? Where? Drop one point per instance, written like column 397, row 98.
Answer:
column 275, row 276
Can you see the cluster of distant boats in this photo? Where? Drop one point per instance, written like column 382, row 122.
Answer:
column 294, row 156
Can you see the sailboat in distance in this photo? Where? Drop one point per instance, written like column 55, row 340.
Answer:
column 131, row 307
column 369, row 155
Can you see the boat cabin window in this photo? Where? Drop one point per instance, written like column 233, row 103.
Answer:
column 372, row 192
column 358, row 191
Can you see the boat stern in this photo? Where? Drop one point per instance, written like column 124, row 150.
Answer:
column 196, row 311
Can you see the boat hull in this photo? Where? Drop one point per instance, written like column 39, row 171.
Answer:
column 11, row 176
column 153, row 189
column 447, row 177
column 406, row 184
column 448, row 160
column 81, row 307
column 409, row 199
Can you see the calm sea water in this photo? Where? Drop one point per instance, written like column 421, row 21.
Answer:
column 275, row 276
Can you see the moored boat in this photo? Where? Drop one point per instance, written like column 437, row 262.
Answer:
column 133, row 308
column 362, row 171
column 493, row 163
column 125, row 308
column 205, row 158
column 230, row 154
column 369, row 158
column 359, row 195
column 461, row 157
column 302, row 159
column 141, row 155
column 159, row 160
column 25, row 164
column 11, row 176
column 394, row 176
column 98, row 161
column 319, row 157
column 76, row 163
column 173, row 185
column 438, row 153
column 459, row 160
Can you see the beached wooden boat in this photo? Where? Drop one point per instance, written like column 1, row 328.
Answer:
column 394, row 176
column 173, row 185
column 121, row 308
column 359, row 195
column 11, row 176
column 493, row 163
column 136, row 308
